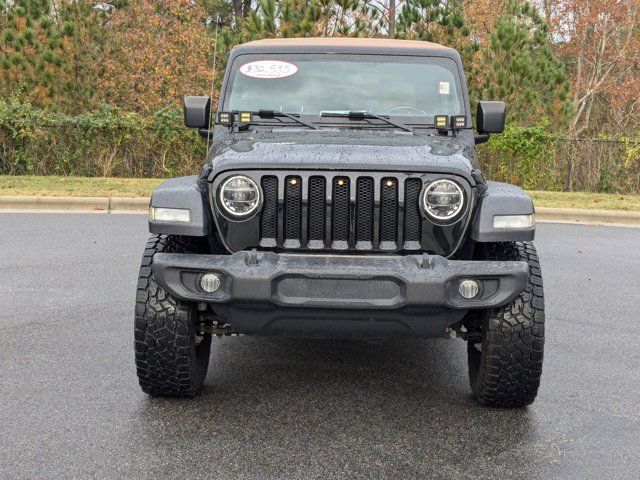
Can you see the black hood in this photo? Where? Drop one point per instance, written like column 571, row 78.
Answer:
column 345, row 150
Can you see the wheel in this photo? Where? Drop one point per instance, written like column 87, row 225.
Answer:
column 505, row 355
column 171, row 360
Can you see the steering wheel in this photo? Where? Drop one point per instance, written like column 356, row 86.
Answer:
column 408, row 110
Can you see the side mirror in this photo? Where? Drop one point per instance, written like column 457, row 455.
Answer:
column 490, row 117
column 197, row 112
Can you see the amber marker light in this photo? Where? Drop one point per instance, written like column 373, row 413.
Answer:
column 441, row 121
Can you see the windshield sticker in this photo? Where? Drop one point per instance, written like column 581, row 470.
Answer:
column 444, row 88
column 268, row 69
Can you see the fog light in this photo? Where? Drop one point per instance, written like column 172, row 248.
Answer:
column 468, row 289
column 210, row 282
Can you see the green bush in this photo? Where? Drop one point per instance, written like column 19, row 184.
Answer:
column 524, row 156
column 537, row 159
column 113, row 143
column 106, row 142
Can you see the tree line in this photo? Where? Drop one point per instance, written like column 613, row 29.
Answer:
column 569, row 68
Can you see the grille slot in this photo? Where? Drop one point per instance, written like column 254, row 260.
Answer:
column 317, row 207
column 293, row 208
column 364, row 209
column 388, row 210
column 269, row 217
column 412, row 215
column 340, row 207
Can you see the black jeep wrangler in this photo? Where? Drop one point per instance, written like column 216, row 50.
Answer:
column 342, row 198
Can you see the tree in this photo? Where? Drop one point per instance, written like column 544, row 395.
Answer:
column 241, row 9
column 31, row 50
column 480, row 16
column 84, row 38
column 519, row 66
column 158, row 51
column 218, row 12
column 601, row 45
column 392, row 19
column 301, row 18
column 433, row 20
column 440, row 21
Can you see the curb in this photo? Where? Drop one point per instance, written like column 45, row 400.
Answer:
column 61, row 204
column 133, row 205
column 588, row 217
column 17, row 204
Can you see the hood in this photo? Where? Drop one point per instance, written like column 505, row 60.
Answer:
column 344, row 150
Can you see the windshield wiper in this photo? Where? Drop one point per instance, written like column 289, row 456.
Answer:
column 366, row 115
column 273, row 114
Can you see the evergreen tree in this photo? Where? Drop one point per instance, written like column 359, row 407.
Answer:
column 218, row 10
column 31, row 50
column 440, row 21
column 307, row 18
column 84, row 39
column 432, row 20
column 519, row 67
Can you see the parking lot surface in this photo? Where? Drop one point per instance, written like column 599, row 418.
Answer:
column 70, row 406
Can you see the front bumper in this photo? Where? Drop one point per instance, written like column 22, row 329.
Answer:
column 339, row 296
column 340, row 281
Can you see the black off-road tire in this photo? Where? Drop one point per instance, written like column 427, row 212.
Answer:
column 506, row 370
column 170, row 360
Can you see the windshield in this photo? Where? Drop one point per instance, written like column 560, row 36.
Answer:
column 312, row 84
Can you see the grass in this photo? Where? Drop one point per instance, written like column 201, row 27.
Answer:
column 586, row 200
column 56, row 186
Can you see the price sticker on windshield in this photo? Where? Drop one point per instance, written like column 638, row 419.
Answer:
column 268, row 69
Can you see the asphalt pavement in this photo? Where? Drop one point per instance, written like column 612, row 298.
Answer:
column 70, row 405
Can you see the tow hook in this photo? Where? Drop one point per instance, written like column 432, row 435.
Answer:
column 449, row 333
column 210, row 324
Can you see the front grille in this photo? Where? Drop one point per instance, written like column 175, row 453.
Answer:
column 341, row 212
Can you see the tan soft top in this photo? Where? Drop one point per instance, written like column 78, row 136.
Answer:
column 346, row 42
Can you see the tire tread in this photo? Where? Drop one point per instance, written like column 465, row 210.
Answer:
column 164, row 331
column 508, row 370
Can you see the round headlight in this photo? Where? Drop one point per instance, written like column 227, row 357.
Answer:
column 443, row 200
column 239, row 196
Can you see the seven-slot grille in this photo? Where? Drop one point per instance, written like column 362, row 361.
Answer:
column 341, row 212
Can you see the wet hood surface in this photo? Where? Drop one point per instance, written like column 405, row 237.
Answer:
column 343, row 150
